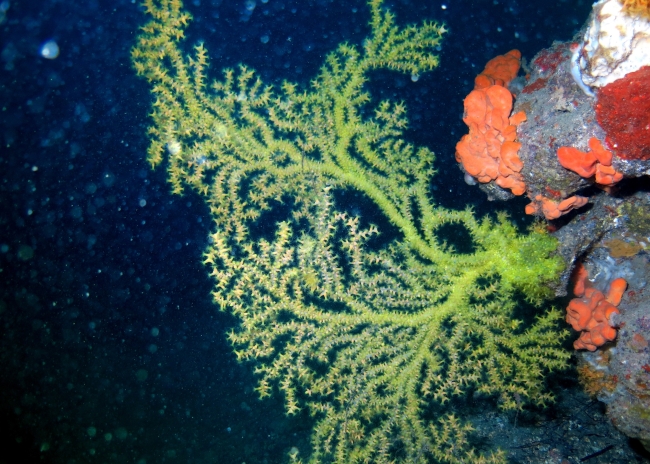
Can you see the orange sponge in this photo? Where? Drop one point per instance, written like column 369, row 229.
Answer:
column 499, row 70
column 583, row 164
column 592, row 314
column 489, row 151
column 597, row 161
column 616, row 290
column 579, row 278
column 553, row 209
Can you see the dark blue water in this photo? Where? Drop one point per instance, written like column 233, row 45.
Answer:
column 111, row 350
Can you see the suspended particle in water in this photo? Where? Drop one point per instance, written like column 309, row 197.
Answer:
column 50, row 50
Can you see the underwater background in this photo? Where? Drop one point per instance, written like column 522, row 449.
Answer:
column 111, row 349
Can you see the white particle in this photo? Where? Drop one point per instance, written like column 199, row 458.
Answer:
column 50, row 50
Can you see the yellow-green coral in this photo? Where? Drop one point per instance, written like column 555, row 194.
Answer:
column 372, row 340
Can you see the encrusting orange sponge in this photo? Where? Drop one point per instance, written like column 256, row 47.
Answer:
column 616, row 290
column 597, row 161
column 591, row 313
column 580, row 276
column 500, row 70
column 553, row 209
column 489, row 151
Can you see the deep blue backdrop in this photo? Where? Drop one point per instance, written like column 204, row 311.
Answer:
column 110, row 348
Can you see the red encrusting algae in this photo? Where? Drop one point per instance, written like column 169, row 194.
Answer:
column 623, row 111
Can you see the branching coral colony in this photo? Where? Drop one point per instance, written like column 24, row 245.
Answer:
column 374, row 343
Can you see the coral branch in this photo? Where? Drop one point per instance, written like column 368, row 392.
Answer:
column 372, row 342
